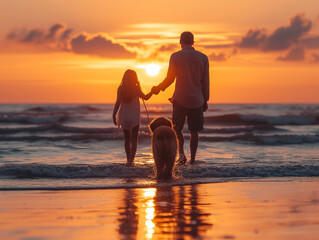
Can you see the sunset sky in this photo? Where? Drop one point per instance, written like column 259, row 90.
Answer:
column 63, row 51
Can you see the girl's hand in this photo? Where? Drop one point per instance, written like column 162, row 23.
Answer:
column 114, row 120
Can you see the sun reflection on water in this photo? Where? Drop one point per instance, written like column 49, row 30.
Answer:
column 166, row 212
column 149, row 194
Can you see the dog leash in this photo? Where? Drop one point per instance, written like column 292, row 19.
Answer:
column 148, row 118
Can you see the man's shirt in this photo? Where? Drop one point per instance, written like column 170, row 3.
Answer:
column 191, row 70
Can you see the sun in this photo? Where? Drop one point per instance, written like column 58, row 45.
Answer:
column 152, row 69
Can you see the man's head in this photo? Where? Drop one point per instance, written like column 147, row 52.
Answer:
column 187, row 38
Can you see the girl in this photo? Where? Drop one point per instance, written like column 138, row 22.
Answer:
column 128, row 94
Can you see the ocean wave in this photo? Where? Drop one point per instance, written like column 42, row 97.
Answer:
column 64, row 108
column 58, row 127
column 41, row 128
column 71, row 137
column 33, row 118
column 266, row 139
column 252, row 171
column 71, row 129
column 116, row 170
column 75, row 171
column 240, row 129
column 61, row 113
column 240, row 119
column 157, row 112
column 240, row 138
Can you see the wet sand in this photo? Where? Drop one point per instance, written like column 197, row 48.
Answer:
column 265, row 209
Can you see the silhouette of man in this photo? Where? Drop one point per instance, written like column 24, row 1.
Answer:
column 190, row 68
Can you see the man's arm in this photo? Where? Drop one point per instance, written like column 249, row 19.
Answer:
column 205, row 85
column 205, row 81
column 170, row 78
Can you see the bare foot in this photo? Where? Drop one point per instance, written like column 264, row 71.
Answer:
column 181, row 160
column 130, row 164
column 191, row 162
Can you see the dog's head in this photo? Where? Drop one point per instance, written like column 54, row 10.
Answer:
column 161, row 121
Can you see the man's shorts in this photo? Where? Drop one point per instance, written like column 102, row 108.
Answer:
column 195, row 118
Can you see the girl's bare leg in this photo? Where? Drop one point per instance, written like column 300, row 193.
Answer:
column 134, row 140
column 127, row 143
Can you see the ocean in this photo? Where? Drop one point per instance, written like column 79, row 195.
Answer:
column 76, row 146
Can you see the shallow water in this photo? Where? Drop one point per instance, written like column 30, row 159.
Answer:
column 76, row 146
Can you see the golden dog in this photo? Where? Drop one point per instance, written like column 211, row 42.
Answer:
column 164, row 147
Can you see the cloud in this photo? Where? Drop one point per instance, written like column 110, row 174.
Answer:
column 66, row 34
column 218, row 57
column 315, row 57
column 99, row 46
column 54, row 30
column 295, row 54
column 311, row 42
column 33, row 36
column 253, row 39
column 168, row 47
column 58, row 38
column 57, row 32
column 219, row 46
column 282, row 38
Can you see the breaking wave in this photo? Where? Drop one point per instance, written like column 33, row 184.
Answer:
column 117, row 170
column 111, row 134
column 239, row 119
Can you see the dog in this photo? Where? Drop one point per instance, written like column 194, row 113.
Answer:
column 164, row 147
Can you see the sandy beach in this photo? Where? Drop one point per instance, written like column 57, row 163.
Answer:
column 264, row 209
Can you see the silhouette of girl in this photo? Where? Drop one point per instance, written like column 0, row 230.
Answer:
column 128, row 118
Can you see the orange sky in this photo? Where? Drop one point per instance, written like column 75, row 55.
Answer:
column 67, row 51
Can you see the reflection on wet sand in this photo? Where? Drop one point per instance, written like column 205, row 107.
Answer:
column 128, row 215
column 149, row 195
column 164, row 212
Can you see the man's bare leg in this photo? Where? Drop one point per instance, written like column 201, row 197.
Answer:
column 182, row 158
column 193, row 144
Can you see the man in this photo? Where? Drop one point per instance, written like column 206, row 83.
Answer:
column 190, row 68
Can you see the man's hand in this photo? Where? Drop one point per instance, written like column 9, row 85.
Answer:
column 155, row 90
column 205, row 106
column 114, row 120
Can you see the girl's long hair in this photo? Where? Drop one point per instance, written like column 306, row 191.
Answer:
column 129, row 86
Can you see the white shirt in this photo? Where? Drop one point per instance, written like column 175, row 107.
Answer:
column 191, row 70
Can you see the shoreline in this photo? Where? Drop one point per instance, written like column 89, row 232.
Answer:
column 152, row 183
column 264, row 209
